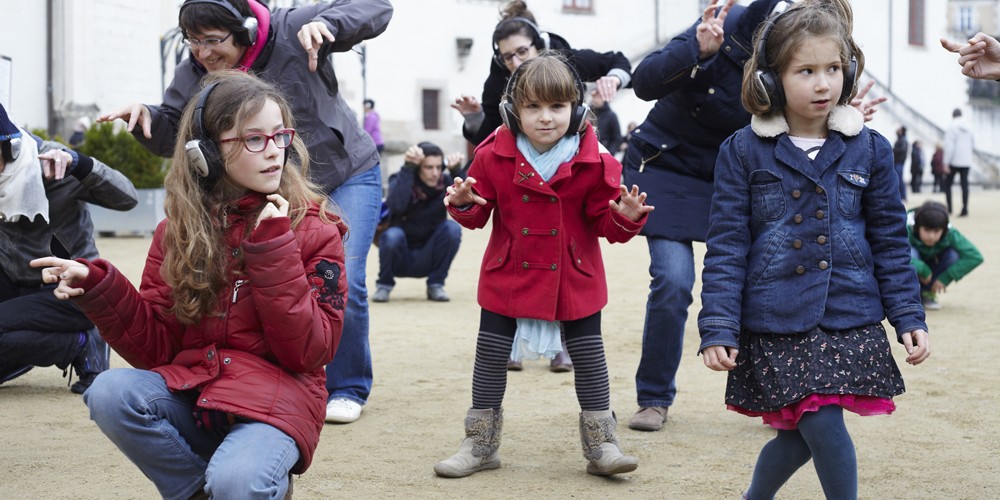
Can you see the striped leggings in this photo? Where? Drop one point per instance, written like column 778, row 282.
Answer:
column 583, row 341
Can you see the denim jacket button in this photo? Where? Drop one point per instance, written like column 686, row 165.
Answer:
column 819, row 214
column 819, row 189
column 797, row 218
column 796, row 194
column 821, row 240
column 800, row 270
column 797, row 244
column 823, row 264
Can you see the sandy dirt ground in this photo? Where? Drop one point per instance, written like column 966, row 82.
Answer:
column 940, row 443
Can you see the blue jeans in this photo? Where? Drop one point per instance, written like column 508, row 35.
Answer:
column 433, row 260
column 672, row 270
column 155, row 429
column 359, row 198
column 938, row 264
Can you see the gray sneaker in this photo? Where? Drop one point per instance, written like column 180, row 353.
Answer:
column 437, row 294
column 381, row 294
column 930, row 304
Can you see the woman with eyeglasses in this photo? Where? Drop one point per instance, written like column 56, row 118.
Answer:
column 240, row 307
column 290, row 48
column 517, row 39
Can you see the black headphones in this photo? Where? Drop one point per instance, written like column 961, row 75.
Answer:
column 247, row 35
column 202, row 151
column 11, row 149
column 540, row 40
column 509, row 115
column 771, row 81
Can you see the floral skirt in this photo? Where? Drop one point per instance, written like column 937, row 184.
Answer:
column 780, row 377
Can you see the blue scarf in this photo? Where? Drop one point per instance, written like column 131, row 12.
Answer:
column 536, row 337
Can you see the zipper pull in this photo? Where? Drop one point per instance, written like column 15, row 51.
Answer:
column 694, row 71
column 236, row 288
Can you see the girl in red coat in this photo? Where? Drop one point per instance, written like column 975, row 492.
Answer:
column 240, row 307
column 551, row 190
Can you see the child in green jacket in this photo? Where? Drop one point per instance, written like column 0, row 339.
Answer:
column 938, row 251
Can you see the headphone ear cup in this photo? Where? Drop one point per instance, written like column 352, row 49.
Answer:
column 248, row 36
column 578, row 120
column 850, row 80
column 771, row 85
column 509, row 117
column 205, row 158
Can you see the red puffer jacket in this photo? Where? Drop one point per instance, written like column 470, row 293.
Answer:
column 261, row 356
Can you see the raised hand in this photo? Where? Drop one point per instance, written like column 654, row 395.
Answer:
column 467, row 104
column 460, row 193
column 135, row 113
column 632, row 204
column 709, row 31
column 276, row 207
column 980, row 58
column 311, row 37
column 867, row 107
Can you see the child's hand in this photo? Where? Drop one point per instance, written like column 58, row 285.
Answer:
column 925, row 281
column 65, row 272
column 632, row 203
column 276, row 207
column 937, row 287
column 460, row 194
column 719, row 357
column 918, row 346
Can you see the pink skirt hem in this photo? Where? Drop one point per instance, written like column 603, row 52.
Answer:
column 787, row 418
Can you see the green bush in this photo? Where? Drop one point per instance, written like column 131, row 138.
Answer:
column 119, row 150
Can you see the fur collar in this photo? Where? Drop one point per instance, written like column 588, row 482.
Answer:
column 844, row 119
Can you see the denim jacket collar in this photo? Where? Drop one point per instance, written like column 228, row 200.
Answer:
column 844, row 119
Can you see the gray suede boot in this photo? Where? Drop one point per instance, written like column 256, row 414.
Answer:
column 600, row 448
column 478, row 450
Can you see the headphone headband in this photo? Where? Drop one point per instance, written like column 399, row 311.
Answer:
column 509, row 114
column 247, row 34
column 540, row 37
column 202, row 151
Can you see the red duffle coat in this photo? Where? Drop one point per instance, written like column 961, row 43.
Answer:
column 543, row 260
column 261, row 355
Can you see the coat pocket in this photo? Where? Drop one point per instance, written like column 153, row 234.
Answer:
column 497, row 259
column 580, row 261
column 766, row 200
column 849, row 191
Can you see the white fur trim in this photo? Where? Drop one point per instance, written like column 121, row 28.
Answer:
column 844, row 119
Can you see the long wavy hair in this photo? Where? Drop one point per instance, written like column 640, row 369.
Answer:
column 196, row 264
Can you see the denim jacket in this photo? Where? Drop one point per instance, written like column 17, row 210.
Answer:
column 796, row 244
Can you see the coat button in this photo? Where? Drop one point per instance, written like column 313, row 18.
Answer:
column 800, row 270
column 554, row 232
column 524, row 265
column 185, row 386
column 711, row 91
column 226, row 361
column 500, row 259
column 821, row 240
column 819, row 189
column 728, row 48
column 552, row 199
column 552, row 267
column 797, row 244
column 203, row 400
column 525, row 198
column 823, row 264
column 579, row 261
column 797, row 218
column 524, row 231
column 796, row 194
column 819, row 214
column 236, row 252
column 636, row 131
column 210, row 355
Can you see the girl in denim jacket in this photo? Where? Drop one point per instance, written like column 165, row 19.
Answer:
column 807, row 254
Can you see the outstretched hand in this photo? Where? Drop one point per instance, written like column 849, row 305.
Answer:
column 979, row 59
column 709, row 32
column 870, row 106
column 135, row 114
column 467, row 104
column 632, row 203
column 64, row 272
column 460, row 193
column 311, row 36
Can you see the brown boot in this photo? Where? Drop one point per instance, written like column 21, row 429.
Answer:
column 650, row 418
column 600, row 448
column 561, row 363
column 479, row 449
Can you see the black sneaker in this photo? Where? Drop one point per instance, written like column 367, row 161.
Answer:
column 8, row 373
column 91, row 361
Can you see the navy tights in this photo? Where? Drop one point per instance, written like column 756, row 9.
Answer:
column 821, row 436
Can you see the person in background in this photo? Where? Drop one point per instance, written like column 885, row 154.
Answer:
column 899, row 150
column 291, row 48
column 938, row 169
column 940, row 253
column 44, row 191
column 420, row 241
column 916, row 166
column 959, row 149
column 76, row 139
column 516, row 39
column 373, row 125
column 241, row 305
column 609, row 131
